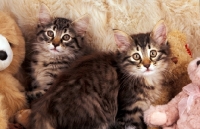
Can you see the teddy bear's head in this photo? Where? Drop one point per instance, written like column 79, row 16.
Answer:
column 194, row 71
column 11, row 43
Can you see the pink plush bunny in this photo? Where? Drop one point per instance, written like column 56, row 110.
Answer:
column 183, row 111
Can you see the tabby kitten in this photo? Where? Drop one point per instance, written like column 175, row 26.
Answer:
column 107, row 90
column 143, row 70
column 59, row 43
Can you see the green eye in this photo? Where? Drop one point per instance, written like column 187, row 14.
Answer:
column 50, row 33
column 66, row 37
column 136, row 56
column 153, row 53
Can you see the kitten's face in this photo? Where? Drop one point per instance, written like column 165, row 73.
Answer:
column 145, row 57
column 58, row 37
column 144, row 54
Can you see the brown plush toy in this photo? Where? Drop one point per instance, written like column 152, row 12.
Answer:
column 177, row 76
column 12, row 51
column 181, row 56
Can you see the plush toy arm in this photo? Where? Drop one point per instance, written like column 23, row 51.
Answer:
column 163, row 115
column 154, row 117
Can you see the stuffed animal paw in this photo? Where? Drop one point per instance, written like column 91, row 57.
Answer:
column 182, row 111
column 155, row 117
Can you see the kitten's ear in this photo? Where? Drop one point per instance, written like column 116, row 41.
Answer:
column 80, row 25
column 44, row 14
column 122, row 40
column 159, row 33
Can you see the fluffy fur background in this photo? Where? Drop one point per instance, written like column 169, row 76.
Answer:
column 11, row 97
column 130, row 16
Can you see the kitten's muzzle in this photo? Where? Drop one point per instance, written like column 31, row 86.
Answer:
column 56, row 42
column 3, row 55
column 146, row 63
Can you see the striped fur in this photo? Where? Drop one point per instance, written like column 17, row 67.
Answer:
column 143, row 70
column 59, row 42
column 84, row 97
column 107, row 90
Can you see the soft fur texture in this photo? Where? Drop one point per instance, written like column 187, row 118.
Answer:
column 130, row 16
column 177, row 40
column 178, row 76
column 11, row 96
column 182, row 112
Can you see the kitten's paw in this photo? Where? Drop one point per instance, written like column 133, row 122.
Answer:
column 158, row 118
column 130, row 127
column 22, row 117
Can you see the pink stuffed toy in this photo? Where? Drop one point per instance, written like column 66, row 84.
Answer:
column 183, row 111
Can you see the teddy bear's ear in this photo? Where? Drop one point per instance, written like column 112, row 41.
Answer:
column 44, row 14
column 80, row 25
column 159, row 33
column 123, row 40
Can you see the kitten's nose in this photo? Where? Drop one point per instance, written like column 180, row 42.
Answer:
column 198, row 62
column 147, row 65
column 3, row 55
column 55, row 44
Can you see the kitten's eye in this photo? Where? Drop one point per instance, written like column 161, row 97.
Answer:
column 153, row 53
column 136, row 56
column 50, row 33
column 66, row 37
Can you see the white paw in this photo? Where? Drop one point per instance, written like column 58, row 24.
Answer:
column 130, row 127
column 158, row 118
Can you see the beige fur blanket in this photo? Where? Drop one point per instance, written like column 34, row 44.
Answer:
column 131, row 16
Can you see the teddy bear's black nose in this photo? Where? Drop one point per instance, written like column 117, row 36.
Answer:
column 3, row 55
column 198, row 62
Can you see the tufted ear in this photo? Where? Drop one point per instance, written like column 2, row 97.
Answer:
column 159, row 33
column 81, row 25
column 122, row 40
column 44, row 14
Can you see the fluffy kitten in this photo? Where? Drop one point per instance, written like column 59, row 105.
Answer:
column 142, row 77
column 59, row 42
column 106, row 89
